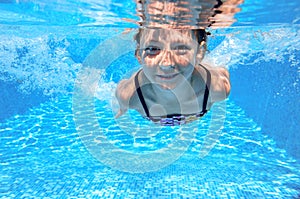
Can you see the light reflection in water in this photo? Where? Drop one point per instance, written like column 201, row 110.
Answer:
column 192, row 14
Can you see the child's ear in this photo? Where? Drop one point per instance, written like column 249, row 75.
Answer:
column 201, row 51
column 138, row 55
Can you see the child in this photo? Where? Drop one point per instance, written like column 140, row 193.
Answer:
column 172, row 87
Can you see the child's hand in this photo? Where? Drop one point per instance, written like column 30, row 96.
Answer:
column 120, row 113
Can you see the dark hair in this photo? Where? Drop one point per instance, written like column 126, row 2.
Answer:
column 200, row 35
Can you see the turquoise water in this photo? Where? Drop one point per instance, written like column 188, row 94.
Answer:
column 58, row 143
column 45, row 157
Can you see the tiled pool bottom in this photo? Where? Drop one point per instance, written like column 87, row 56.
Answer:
column 42, row 156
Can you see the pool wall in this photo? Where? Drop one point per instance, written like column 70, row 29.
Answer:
column 13, row 102
column 269, row 92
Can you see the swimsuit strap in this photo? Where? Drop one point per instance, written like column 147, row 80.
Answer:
column 205, row 97
column 206, row 92
column 140, row 94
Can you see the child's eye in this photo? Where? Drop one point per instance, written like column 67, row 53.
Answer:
column 181, row 49
column 152, row 50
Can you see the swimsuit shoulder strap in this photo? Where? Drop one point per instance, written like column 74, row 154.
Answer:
column 206, row 92
column 140, row 94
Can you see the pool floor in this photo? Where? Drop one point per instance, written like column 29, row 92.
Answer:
column 42, row 156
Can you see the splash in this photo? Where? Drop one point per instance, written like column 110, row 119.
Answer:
column 44, row 64
column 248, row 46
column 40, row 64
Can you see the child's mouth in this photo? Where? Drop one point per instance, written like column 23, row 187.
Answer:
column 167, row 76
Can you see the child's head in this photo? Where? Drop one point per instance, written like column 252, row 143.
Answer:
column 168, row 55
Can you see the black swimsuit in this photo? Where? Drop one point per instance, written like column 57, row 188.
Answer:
column 174, row 119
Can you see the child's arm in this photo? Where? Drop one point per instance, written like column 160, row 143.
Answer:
column 124, row 92
column 220, row 83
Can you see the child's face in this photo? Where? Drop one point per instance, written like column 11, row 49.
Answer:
column 168, row 56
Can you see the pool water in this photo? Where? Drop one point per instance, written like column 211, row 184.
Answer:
column 43, row 156
column 52, row 137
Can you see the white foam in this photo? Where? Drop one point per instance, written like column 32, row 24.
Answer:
column 261, row 45
column 35, row 66
column 105, row 90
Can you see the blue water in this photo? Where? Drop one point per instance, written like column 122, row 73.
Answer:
column 52, row 137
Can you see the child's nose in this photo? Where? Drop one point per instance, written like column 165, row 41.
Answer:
column 167, row 59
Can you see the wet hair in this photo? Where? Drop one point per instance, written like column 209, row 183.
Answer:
column 200, row 35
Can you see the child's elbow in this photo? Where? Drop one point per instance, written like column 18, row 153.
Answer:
column 227, row 87
column 225, row 76
column 225, row 83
